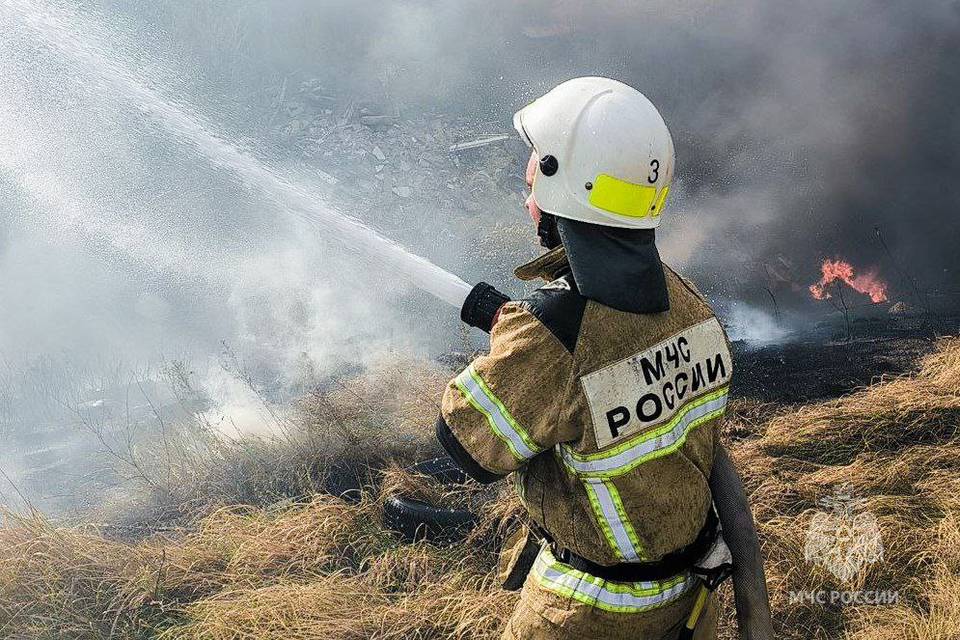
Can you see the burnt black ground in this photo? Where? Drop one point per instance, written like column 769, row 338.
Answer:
column 825, row 362
column 808, row 371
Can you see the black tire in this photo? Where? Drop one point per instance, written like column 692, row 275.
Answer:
column 415, row 520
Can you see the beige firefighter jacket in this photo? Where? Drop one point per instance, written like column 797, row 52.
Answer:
column 608, row 419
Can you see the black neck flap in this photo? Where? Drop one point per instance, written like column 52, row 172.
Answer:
column 619, row 268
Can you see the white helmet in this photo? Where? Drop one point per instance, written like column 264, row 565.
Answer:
column 606, row 155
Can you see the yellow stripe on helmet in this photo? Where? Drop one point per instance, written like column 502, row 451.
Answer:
column 626, row 198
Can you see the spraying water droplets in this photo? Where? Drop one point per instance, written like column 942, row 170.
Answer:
column 60, row 30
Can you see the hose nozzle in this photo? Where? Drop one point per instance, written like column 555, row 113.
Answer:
column 481, row 306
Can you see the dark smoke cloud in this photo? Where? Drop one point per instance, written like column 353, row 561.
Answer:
column 799, row 126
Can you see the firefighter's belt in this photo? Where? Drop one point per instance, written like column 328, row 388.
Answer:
column 670, row 565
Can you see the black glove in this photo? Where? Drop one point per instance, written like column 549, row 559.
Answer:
column 481, row 306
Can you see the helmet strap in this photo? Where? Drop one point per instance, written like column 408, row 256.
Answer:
column 548, row 232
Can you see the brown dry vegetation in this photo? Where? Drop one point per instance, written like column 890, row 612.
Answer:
column 319, row 567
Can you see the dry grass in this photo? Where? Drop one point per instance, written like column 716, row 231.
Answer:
column 894, row 446
column 329, row 442
column 326, row 569
column 322, row 568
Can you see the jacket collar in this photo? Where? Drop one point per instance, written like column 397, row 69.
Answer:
column 548, row 266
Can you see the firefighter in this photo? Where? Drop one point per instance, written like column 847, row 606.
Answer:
column 603, row 393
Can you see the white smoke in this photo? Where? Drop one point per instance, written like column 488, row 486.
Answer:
column 750, row 324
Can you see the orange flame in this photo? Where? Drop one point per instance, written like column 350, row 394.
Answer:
column 833, row 270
